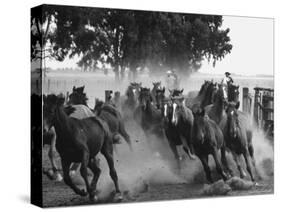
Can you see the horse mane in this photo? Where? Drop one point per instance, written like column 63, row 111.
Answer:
column 69, row 110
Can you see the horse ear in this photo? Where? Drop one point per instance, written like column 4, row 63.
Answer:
column 153, row 83
column 181, row 90
column 170, row 91
column 163, row 89
column 74, row 88
column 237, row 105
column 83, row 88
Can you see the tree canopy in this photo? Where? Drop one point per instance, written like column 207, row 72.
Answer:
column 132, row 39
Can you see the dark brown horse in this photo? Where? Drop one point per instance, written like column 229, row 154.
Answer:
column 204, row 97
column 78, row 96
column 79, row 141
column 132, row 95
column 171, row 131
column 156, row 86
column 238, row 137
column 147, row 115
column 182, row 119
column 208, row 140
column 110, row 114
column 216, row 111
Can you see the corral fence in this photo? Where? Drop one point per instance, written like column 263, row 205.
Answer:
column 260, row 105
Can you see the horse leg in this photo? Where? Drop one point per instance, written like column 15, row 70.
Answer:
column 84, row 171
column 218, row 164
column 247, row 160
column 224, row 161
column 51, row 155
column 237, row 161
column 175, row 152
column 68, row 180
column 94, row 166
column 125, row 135
column 204, row 160
column 108, row 154
column 251, row 152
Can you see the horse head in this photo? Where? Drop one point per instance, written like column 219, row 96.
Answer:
column 177, row 104
column 78, row 96
column 176, row 92
column 133, row 91
column 199, row 125
column 98, row 106
column 156, row 85
column 232, row 119
column 50, row 104
column 160, row 96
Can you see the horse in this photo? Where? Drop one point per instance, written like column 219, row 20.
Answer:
column 173, row 137
column 159, row 97
column 182, row 118
column 80, row 141
column 131, row 101
column 204, row 97
column 110, row 114
column 147, row 115
column 156, row 85
column 216, row 111
column 208, row 139
column 238, row 137
column 233, row 93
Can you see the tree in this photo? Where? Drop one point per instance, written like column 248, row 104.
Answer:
column 137, row 39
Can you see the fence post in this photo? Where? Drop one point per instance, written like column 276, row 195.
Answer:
column 108, row 96
column 246, row 107
column 256, row 106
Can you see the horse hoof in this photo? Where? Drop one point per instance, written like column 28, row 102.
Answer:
column 118, row 197
column 94, row 198
column 58, row 177
column 82, row 193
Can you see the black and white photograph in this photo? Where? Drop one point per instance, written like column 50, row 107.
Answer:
column 131, row 105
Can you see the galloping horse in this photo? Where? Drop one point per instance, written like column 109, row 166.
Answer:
column 80, row 141
column 131, row 102
column 204, row 97
column 182, row 119
column 113, row 118
column 156, row 86
column 208, row 139
column 238, row 137
column 171, row 131
column 147, row 115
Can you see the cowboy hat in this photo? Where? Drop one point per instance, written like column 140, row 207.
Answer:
column 227, row 73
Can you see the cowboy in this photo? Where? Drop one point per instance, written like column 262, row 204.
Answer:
column 172, row 81
column 226, row 81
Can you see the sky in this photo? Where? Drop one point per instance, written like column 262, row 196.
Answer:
column 252, row 52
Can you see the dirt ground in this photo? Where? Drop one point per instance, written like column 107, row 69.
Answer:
column 58, row 194
column 145, row 176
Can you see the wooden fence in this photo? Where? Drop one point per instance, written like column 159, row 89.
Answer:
column 262, row 109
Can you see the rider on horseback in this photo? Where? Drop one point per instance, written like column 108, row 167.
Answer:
column 226, row 81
